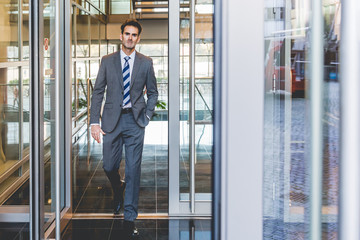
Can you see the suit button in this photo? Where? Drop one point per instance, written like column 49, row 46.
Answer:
column 122, row 92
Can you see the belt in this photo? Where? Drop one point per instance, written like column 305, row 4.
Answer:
column 126, row 110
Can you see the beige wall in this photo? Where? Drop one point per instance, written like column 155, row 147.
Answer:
column 152, row 29
column 158, row 29
column 8, row 28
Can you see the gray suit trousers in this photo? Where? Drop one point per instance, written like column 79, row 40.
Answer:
column 127, row 132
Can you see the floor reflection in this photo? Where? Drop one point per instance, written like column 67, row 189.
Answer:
column 184, row 229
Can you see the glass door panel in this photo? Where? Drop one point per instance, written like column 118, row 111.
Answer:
column 196, row 72
column 154, row 168
column 204, row 59
column 286, row 193
column 285, row 188
column 49, row 114
column 184, row 108
column 14, row 107
column 92, row 192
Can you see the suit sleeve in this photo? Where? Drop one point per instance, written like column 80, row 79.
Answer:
column 152, row 91
column 98, row 94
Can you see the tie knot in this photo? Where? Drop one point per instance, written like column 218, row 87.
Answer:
column 126, row 58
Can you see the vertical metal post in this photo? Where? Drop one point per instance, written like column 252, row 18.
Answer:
column 192, row 230
column 316, row 114
column 131, row 14
column 74, row 28
column 216, row 166
column 99, row 37
column 89, row 38
column 67, row 36
column 350, row 119
column 58, row 81
column 36, row 121
column 74, row 82
column 88, row 104
column 192, row 107
column 20, row 84
column 20, row 23
column 174, row 106
column 287, row 115
column 77, row 94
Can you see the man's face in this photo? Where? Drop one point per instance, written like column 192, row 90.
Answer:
column 130, row 37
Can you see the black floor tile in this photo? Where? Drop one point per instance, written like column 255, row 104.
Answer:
column 95, row 205
column 91, row 223
column 118, row 234
column 11, row 231
column 88, row 234
column 7, row 235
column 7, row 225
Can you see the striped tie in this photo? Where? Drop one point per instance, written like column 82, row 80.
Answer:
column 126, row 76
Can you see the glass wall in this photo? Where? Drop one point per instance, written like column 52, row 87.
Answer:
column 15, row 107
column 286, row 184
column 203, row 98
column 14, row 99
column 89, row 44
column 94, row 4
column 120, row 6
column 91, row 189
column 89, row 41
column 154, row 177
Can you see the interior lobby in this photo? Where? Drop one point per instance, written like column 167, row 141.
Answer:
column 254, row 133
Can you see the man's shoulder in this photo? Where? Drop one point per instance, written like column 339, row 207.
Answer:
column 111, row 55
column 143, row 57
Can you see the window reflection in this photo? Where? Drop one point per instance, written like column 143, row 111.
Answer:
column 286, row 143
column 9, row 17
column 14, row 96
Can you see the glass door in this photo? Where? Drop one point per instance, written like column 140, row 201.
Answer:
column 92, row 193
column 49, row 112
column 14, row 111
column 29, row 120
column 288, row 119
column 284, row 129
column 195, row 110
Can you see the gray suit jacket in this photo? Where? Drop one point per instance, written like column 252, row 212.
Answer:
column 110, row 76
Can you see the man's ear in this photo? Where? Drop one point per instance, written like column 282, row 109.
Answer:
column 138, row 40
column 121, row 36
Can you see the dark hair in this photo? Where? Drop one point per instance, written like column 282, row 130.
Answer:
column 131, row 22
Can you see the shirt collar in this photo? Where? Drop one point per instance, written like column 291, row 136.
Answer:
column 132, row 55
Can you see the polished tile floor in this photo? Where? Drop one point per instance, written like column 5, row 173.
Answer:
column 14, row 231
column 106, row 229
column 92, row 190
column 152, row 229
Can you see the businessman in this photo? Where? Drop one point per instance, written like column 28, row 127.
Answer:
column 124, row 76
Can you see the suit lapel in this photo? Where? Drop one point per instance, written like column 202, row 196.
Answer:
column 118, row 69
column 136, row 68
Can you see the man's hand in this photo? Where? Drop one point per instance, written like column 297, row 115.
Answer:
column 96, row 131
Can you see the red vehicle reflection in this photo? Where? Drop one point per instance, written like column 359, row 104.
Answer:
column 282, row 77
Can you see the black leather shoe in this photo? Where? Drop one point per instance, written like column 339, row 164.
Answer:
column 130, row 229
column 119, row 198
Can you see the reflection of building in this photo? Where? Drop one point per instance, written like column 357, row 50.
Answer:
column 332, row 38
